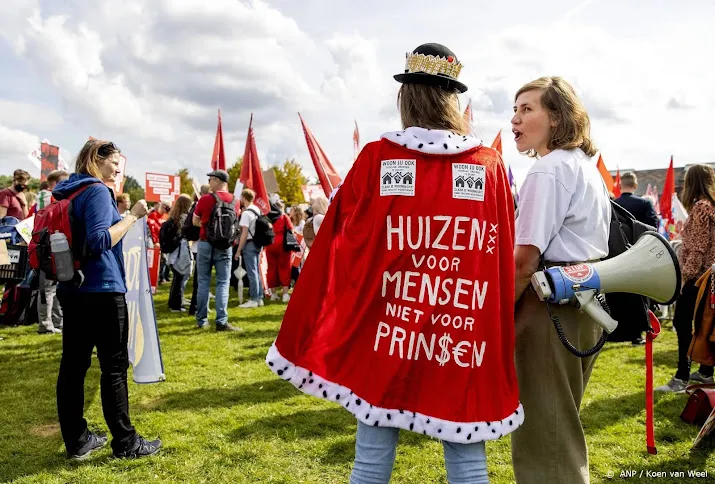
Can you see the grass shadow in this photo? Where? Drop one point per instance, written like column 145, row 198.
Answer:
column 667, row 358
column 268, row 391
column 303, row 425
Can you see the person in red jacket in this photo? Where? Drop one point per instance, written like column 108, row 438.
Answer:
column 404, row 312
column 279, row 259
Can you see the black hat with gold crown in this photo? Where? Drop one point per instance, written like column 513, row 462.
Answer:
column 432, row 64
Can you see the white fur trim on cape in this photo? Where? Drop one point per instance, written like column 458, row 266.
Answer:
column 457, row 432
column 433, row 141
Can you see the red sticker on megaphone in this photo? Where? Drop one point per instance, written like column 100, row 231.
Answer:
column 578, row 273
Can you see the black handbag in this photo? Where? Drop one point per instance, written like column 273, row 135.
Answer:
column 290, row 242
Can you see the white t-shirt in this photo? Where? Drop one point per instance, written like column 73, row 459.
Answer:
column 317, row 222
column 248, row 219
column 564, row 208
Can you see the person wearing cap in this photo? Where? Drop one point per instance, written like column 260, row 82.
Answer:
column 209, row 256
column 405, row 318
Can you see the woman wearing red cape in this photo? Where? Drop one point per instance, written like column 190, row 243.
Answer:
column 404, row 312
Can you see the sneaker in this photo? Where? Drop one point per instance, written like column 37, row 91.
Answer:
column 95, row 442
column 203, row 326
column 249, row 304
column 228, row 327
column 696, row 376
column 275, row 297
column 50, row 331
column 142, row 448
column 675, row 385
column 286, row 298
column 182, row 310
column 261, row 303
column 639, row 341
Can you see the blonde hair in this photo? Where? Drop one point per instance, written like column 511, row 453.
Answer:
column 309, row 232
column 431, row 107
column 124, row 197
column 248, row 194
column 180, row 207
column 296, row 215
column 320, row 205
column 91, row 154
column 573, row 126
column 30, row 197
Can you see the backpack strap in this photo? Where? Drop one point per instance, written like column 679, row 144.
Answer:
column 258, row 215
column 76, row 193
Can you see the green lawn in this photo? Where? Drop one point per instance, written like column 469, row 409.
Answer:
column 224, row 417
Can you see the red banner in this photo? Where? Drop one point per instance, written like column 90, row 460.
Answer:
column 162, row 188
column 49, row 159
column 251, row 174
column 153, row 256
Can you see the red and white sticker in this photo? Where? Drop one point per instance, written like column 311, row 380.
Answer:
column 578, row 273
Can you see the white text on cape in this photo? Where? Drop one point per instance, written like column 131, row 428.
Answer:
column 429, row 232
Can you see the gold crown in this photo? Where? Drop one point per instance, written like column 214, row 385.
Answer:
column 432, row 64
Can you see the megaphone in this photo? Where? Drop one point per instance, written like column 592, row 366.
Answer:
column 649, row 268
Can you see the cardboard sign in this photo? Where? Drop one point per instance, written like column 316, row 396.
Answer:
column 162, row 188
column 311, row 192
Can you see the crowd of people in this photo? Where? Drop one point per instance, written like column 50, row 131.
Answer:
column 348, row 342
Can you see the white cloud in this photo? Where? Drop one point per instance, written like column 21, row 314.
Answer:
column 151, row 74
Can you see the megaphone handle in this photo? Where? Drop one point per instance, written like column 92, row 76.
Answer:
column 594, row 309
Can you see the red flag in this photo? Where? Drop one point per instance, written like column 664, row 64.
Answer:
column 328, row 176
column 666, row 199
column 496, row 144
column 356, row 140
column 617, row 183
column 251, row 174
column 607, row 177
column 218, row 160
column 468, row 116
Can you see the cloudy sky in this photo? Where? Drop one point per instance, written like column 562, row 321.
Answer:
column 151, row 74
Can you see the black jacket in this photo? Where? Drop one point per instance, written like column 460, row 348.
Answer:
column 640, row 208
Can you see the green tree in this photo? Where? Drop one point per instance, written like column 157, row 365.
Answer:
column 290, row 180
column 132, row 187
column 6, row 181
column 187, row 182
column 234, row 173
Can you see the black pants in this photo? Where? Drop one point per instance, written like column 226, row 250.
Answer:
column 194, row 289
column 683, row 324
column 101, row 320
column 176, row 293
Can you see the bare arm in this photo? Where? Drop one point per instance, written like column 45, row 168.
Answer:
column 241, row 242
column 3, row 212
column 526, row 258
column 196, row 221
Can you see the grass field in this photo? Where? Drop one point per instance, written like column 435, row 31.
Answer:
column 224, row 417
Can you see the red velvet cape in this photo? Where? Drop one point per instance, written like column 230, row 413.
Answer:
column 396, row 317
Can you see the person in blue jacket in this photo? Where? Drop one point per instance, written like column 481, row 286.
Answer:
column 95, row 308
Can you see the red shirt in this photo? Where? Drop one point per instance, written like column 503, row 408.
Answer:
column 154, row 220
column 205, row 208
column 9, row 200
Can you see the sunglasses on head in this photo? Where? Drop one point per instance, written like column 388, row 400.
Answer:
column 106, row 149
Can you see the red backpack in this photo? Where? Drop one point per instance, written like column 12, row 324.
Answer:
column 51, row 219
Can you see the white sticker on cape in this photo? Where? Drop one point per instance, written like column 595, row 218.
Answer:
column 397, row 177
column 468, row 181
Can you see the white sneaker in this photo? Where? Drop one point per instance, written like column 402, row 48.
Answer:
column 261, row 303
column 286, row 298
column 275, row 297
column 675, row 385
column 249, row 304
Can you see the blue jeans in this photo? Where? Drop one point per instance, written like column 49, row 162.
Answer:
column 207, row 258
column 251, row 254
column 375, row 457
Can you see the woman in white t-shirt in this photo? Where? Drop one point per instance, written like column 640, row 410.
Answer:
column 564, row 217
